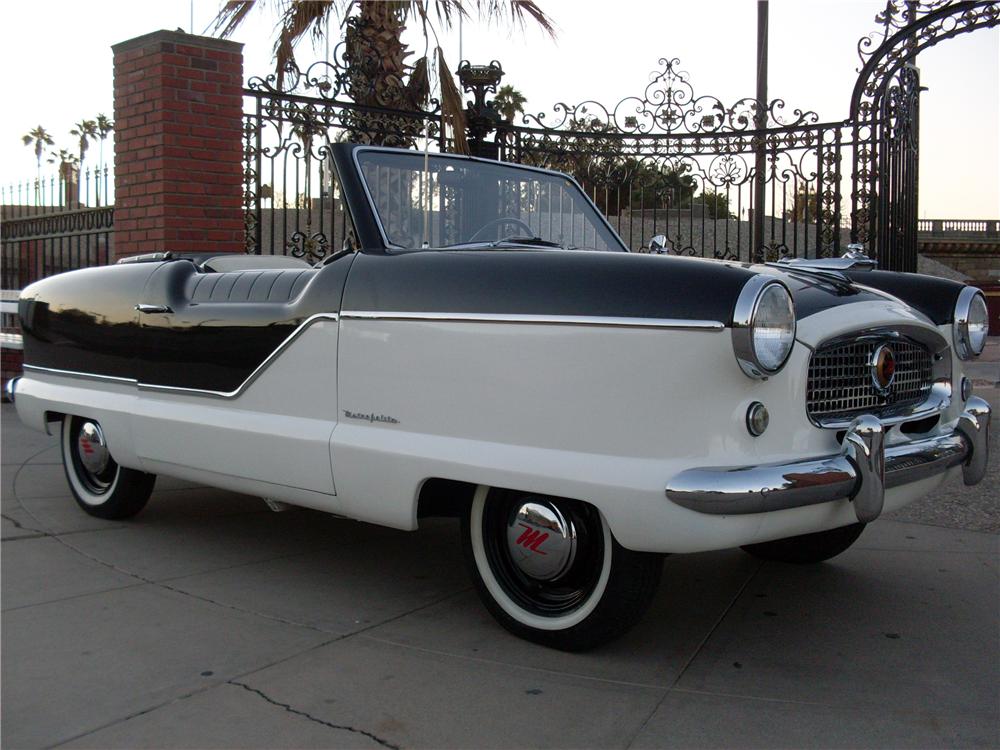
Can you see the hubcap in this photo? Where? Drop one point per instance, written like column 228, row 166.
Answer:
column 92, row 448
column 541, row 541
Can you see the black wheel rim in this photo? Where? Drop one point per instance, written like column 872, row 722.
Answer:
column 544, row 598
column 96, row 484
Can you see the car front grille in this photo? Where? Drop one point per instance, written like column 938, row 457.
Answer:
column 840, row 381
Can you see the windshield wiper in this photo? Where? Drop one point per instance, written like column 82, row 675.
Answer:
column 492, row 244
column 532, row 241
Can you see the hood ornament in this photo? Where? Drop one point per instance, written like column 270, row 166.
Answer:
column 856, row 252
column 852, row 260
column 830, row 269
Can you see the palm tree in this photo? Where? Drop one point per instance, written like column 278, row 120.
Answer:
column 379, row 75
column 85, row 130
column 39, row 138
column 509, row 101
column 104, row 128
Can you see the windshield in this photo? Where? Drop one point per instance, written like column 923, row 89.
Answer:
column 462, row 203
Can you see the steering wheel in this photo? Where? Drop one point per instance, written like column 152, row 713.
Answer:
column 499, row 222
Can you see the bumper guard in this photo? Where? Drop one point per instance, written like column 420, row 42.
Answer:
column 861, row 472
column 10, row 388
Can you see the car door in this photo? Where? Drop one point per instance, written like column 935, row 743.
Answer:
column 238, row 374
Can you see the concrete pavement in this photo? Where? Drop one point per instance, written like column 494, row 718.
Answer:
column 209, row 621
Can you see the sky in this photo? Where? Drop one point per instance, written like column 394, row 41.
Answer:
column 59, row 71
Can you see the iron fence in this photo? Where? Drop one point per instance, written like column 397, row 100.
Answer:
column 43, row 244
column 69, row 190
column 53, row 224
column 670, row 161
column 292, row 200
column 667, row 160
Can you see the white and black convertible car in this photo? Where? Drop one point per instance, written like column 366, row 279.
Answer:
column 470, row 353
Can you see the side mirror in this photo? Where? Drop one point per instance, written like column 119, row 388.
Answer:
column 658, row 245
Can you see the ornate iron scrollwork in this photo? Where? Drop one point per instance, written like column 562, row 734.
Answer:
column 666, row 160
column 877, row 111
column 482, row 117
column 312, row 247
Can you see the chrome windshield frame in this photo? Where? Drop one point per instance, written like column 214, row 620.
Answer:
column 394, row 247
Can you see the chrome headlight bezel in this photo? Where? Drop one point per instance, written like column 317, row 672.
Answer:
column 745, row 319
column 969, row 299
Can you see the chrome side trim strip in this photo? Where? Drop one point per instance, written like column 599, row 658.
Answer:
column 558, row 320
column 197, row 391
column 572, row 320
column 253, row 375
column 80, row 375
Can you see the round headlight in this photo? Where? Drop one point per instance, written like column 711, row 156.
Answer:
column 971, row 324
column 763, row 326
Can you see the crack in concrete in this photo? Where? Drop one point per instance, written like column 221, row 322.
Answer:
column 310, row 717
column 142, row 578
column 181, row 592
column 19, row 525
column 42, row 533
column 26, row 536
column 255, row 670
column 695, row 654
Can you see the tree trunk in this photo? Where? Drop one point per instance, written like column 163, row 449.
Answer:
column 376, row 58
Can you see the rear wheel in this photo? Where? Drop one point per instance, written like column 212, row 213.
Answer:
column 99, row 485
column 808, row 548
column 549, row 570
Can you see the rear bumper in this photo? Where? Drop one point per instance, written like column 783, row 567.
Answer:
column 861, row 472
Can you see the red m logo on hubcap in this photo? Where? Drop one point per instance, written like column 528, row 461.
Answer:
column 532, row 538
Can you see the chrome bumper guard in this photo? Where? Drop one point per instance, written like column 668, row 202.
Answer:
column 10, row 388
column 861, row 472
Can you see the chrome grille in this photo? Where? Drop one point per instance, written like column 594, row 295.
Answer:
column 840, row 383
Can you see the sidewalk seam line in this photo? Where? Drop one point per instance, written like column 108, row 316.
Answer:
column 695, row 653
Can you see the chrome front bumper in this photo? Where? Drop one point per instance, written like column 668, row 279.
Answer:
column 861, row 472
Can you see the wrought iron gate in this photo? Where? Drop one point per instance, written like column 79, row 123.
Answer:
column 896, row 213
column 664, row 161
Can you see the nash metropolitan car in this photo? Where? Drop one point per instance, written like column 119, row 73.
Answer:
column 483, row 346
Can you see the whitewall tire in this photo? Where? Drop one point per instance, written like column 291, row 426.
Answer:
column 99, row 485
column 549, row 569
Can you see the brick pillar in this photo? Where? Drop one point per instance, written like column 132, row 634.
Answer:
column 178, row 144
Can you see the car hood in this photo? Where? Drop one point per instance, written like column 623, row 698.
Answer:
column 814, row 294
column 533, row 281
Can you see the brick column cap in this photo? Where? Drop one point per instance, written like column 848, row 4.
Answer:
column 177, row 37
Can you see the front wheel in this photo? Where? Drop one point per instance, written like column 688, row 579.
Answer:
column 99, row 485
column 808, row 548
column 549, row 570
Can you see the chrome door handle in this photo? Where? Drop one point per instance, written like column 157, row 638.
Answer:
column 148, row 309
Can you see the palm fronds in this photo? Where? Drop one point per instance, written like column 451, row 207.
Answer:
column 375, row 51
column 452, row 112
